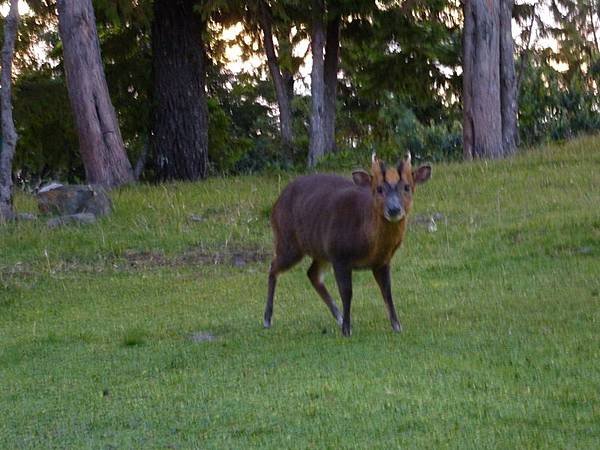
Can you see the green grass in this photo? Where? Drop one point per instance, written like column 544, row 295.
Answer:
column 500, row 307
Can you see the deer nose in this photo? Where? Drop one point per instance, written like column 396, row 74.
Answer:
column 394, row 211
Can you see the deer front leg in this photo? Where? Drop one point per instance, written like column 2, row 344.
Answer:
column 382, row 276
column 343, row 277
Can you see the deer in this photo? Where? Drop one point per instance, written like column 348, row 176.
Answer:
column 351, row 225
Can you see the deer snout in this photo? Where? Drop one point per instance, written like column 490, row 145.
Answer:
column 393, row 210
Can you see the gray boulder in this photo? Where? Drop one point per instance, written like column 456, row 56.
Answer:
column 66, row 200
column 26, row 217
column 79, row 218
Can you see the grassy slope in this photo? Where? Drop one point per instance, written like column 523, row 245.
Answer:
column 501, row 310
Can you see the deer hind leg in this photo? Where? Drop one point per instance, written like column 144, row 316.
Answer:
column 315, row 275
column 284, row 259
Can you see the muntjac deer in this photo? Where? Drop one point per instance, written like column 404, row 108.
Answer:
column 352, row 226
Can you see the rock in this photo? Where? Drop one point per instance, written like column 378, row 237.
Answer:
column 80, row 218
column 73, row 199
column 428, row 220
column 432, row 226
column 238, row 261
column 202, row 336
column 26, row 217
column 49, row 187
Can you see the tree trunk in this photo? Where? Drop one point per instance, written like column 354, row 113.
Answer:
column 180, row 112
column 288, row 81
column 100, row 141
column 332, row 55
column 467, row 73
column 508, row 80
column 9, row 134
column 482, row 119
column 280, row 82
column 316, row 148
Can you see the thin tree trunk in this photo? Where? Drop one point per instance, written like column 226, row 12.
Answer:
column 285, row 50
column 332, row 56
column 482, row 119
column 316, row 147
column 9, row 134
column 141, row 161
column 280, row 83
column 288, row 81
column 593, row 25
column 508, row 81
column 180, row 112
column 525, row 54
column 100, row 141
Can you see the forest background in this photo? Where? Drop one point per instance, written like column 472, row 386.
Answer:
column 398, row 81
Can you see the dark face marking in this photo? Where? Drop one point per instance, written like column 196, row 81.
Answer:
column 393, row 205
column 393, row 188
column 382, row 168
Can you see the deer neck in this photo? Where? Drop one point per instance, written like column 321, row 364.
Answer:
column 385, row 237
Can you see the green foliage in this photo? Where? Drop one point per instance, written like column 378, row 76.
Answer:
column 225, row 150
column 99, row 325
column 410, row 51
column 122, row 13
column 559, row 85
column 397, row 131
column 399, row 86
column 400, row 81
column 554, row 107
column 47, row 146
column 127, row 53
column 404, row 132
column 243, row 136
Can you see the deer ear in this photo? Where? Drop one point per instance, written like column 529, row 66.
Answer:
column 422, row 174
column 361, row 178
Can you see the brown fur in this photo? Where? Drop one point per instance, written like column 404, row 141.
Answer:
column 333, row 220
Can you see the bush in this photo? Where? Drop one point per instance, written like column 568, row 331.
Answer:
column 225, row 149
column 398, row 132
column 554, row 107
column 47, row 147
column 433, row 142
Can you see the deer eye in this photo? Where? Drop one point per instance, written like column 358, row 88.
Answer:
column 380, row 189
column 407, row 188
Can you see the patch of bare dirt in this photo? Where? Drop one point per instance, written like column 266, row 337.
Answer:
column 18, row 270
column 232, row 256
column 139, row 260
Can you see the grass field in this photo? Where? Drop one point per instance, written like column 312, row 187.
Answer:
column 145, row 330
